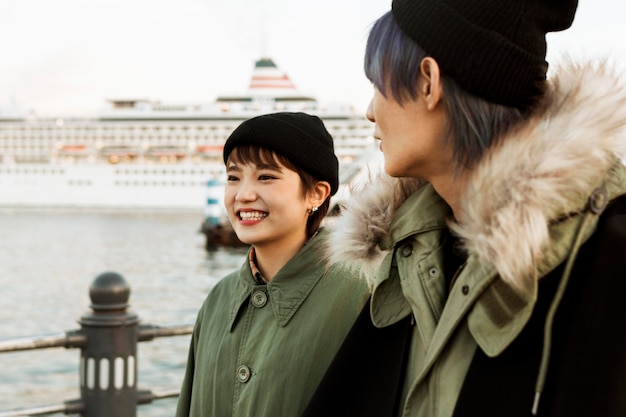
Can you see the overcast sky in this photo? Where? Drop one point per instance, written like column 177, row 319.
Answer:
column 63, row 57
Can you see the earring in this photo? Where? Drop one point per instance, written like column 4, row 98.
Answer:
column 312, row 210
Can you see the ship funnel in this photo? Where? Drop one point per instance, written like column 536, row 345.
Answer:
column 269, row 80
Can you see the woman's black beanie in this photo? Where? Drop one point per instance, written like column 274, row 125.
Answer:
column 300, row 137
column 494, row 49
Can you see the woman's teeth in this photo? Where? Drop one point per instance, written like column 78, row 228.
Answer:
column 252, row 215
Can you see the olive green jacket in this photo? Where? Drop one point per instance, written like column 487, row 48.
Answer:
column 526, row 211
column 261, row 350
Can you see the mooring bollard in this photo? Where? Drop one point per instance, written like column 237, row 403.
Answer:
column 108, row 365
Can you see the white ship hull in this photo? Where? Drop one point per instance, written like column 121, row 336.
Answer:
column 100, row 186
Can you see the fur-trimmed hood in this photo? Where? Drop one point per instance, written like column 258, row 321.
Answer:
column 543, row 170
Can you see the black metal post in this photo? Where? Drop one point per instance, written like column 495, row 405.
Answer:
column 108, row 363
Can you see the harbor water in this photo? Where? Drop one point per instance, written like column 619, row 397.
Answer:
column 48, row 259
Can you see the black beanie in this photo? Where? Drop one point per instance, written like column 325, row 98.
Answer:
column 495, row 49
column 299, row 137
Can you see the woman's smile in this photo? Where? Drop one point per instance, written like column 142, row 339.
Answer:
column 252, row 215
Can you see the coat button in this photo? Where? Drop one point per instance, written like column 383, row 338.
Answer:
column 465, row 289
column 433, row 272
column 598, row 200
column 243, row 373
column 259, row 299
column 406, row 250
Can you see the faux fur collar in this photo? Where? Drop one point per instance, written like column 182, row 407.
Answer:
column 541, row 171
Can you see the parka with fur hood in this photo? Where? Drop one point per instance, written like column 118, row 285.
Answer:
column 534, row 320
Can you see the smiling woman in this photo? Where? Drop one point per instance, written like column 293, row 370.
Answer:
column 254, row 325
column 266, row 207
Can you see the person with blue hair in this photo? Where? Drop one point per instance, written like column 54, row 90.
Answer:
column 499, row 226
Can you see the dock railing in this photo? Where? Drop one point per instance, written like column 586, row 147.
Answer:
column 107, row 338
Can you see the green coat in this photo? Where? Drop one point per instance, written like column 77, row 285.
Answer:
column 537, row 202
column 261, row 350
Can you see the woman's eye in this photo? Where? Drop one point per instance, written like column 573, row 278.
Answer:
column 231, row 178
column 266, row 177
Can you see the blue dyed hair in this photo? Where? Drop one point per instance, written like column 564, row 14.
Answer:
column 391, row 56
column 392, row 64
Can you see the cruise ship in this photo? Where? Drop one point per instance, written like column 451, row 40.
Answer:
column 145, row 154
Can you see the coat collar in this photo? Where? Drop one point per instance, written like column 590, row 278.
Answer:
column 288, row 289
column 433, row 214
column 562, row 154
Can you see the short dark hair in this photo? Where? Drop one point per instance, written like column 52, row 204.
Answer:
column 251, row 154
column 392, row 62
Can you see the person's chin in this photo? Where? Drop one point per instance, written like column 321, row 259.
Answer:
column 247, row 237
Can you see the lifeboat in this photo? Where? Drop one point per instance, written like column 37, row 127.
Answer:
column 210, row 150
column 71, row 150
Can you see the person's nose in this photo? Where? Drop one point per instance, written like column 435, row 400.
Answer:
column 369, row 113
column 246, row 192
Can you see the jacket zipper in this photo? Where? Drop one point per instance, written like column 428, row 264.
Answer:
column 456, row 275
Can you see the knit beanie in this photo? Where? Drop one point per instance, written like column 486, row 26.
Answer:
column 299, row 137
column 495, row 49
